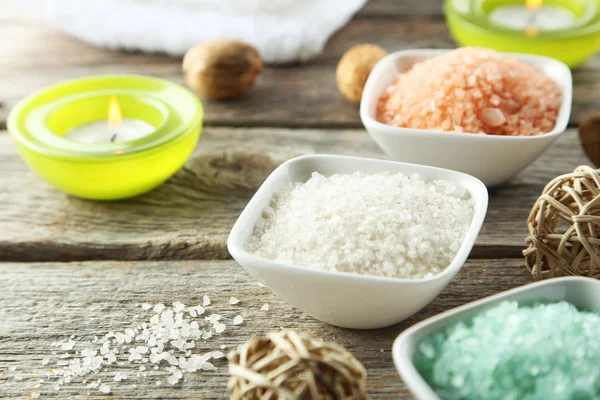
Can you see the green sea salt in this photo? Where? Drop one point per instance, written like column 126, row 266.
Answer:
column 512, row 352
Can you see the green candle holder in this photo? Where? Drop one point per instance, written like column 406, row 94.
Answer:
column 470, row 25
column 114, row 170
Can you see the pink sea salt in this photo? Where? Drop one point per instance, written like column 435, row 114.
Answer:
column 472, row 90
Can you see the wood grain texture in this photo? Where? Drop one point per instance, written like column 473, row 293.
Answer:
column 190, row 216
column 48, row 302
column 402, row 9
column 285, row 96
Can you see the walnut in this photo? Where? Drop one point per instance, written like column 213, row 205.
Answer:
column 221, row 69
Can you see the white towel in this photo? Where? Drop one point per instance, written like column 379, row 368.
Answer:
column 282, row 30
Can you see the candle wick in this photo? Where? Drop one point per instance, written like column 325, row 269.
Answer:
column 531, row 20
column 114, row 137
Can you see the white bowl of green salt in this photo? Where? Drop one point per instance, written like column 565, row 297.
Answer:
column 538, row 341
column 345, row 250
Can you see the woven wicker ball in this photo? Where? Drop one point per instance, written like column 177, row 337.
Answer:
column 564, row 227
column 294, row 365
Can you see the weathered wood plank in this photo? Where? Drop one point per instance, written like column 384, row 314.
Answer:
column 45, row 303
column 402, row 9
column 190, row 216
column 286, row 96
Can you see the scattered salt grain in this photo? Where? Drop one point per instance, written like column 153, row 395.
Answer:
column 68, row 345
column 18, row 378
column 208, row 367
column 219, row 327
column 12, row 368
column 265, row 307
column 159, row 307
column 233, row 300
column 205, row 301
column 390, row 225
column 35, row 395
column 168, row 336
column 238, row 320
column 177, row 306
column 146, row 306
column 175, row 377
column 88, row 352
column 213, row 318
column 104, row 388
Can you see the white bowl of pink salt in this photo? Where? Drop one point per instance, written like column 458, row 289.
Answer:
column 472, row 110
column 356, row 242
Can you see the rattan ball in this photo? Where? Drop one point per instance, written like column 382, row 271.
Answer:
column 564, row 227
column 294, row 365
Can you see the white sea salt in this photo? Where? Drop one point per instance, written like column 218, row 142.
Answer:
column 205, row 301
column 219, row 327
column 35, row 395
column 168, row 336
column 233, row 300
column 265, row 307
column 104, row 388
column 390, row 225
column 175, row 377
column 68, row 345
column 238, row 320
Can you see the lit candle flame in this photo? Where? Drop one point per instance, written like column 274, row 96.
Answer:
column 115, row 118
column 532, row 6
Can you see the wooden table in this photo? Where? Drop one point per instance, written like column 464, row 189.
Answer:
column 78, row 267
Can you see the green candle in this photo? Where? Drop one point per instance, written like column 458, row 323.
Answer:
column 62, row 132
column 568, row 30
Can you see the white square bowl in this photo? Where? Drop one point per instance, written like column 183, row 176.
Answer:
column 339, row 298
column 583, row 293
column 491, row 158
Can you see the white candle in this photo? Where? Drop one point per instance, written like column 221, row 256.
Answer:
column 547, row 18
column 99, row 131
